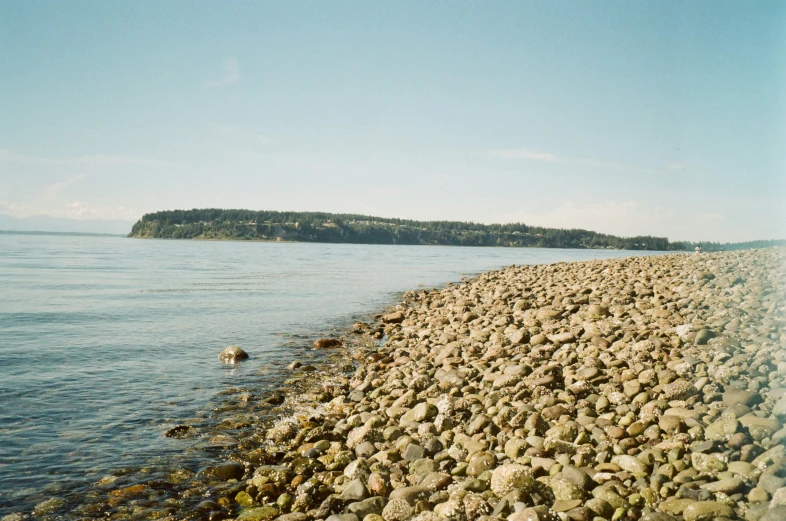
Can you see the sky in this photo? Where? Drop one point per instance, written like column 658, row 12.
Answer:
column 624, row 117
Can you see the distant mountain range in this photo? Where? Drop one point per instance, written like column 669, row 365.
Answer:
column 45, row 223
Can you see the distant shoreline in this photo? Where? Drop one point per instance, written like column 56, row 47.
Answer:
column 324, row 227
column 286, row 241
column 84, row 234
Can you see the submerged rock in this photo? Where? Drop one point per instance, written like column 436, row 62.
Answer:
column 327, row 343
column 224, row 471
column 179, row 431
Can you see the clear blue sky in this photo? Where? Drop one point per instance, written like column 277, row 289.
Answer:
column 626, row 117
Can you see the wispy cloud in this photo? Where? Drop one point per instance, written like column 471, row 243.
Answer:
column 12, row 208
column 231, row 76
column 9, row 156
column 49, row 206
column 52, row 191
column 81, row 210
column 533, row 155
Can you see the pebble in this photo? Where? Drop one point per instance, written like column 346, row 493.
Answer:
column 649, row 388
column 706, row 511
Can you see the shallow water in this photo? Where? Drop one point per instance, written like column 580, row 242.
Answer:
column 106, row 342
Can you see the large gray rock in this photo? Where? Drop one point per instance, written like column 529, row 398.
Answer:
column 372, row 505
column 355, row 491
column 775, row 514
column 413, row 452
column 722, row 430
column 734, row 396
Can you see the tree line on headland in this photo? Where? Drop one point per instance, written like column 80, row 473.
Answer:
column 218, row 224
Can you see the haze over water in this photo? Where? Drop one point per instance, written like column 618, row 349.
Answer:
column 105, row 342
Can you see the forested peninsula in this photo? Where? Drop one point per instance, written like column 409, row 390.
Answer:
column 219, row 224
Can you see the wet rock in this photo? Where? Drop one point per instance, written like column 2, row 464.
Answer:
column 224, row 471
column 258, row 514
column 722, row 430
column 741, row 396
column 293, row 516
column 327, row 343
column 180, row 431
column 48, row 507
column 16, row 516
column 708, row 463
column 243, row 499
column 232, row 355
column 282, row 432
column 396, row 317
column 758, row 427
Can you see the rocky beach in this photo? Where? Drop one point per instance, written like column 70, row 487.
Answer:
column 649, row 388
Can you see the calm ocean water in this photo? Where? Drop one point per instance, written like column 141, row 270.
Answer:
column 107, row 342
